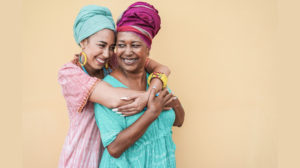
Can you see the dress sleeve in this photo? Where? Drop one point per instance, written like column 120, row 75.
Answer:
column 76, row 86
column 109, row 122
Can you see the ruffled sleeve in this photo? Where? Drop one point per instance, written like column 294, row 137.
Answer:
column 76, row 86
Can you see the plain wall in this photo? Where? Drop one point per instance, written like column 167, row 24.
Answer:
column 235, row 67
column 10, row 84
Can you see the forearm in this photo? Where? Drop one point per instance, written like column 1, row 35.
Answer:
column 110, row 96
column 156, row 83
column 130, row 135
column 179, row 112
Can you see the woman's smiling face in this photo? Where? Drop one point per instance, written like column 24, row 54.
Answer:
column 99, row 47
column 131, row 52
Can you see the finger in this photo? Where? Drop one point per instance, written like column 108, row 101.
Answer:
column 128, row 98
column 163, row 93
column 152, row 93
column 169, row 101
column 167, row 108
column 127, row 107
column 129, row 110
column 168, row 96
column 130, row 113
column 121, row 114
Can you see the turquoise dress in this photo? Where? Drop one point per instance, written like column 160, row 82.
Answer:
column 155, row 149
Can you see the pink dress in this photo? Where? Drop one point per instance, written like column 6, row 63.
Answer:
column 83, row 147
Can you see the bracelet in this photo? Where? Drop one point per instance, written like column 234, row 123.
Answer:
column 159, row 75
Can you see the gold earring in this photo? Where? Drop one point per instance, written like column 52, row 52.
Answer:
column 106, row 65
column 85, row 58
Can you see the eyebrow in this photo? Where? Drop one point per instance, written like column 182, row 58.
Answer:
column 103, row 42
column 131, row 41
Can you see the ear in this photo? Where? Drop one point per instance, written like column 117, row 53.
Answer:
column 83, row 43
column 148, row 52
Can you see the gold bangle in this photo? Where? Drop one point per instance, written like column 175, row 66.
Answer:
column 159, row 75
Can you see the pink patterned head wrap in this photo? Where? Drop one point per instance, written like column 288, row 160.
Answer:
column 142, row 19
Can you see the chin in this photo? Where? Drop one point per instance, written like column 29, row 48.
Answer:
column 131, row 69
column 98, row 67
column 128, row 69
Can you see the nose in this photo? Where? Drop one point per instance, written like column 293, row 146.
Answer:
column 128, row 51
column 106, row 52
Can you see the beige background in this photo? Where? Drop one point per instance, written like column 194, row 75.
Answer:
column 235, row 66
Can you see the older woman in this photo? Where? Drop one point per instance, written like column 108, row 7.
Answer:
column 144, row 139
column 80, row 79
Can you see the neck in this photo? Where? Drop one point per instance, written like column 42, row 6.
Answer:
column 93, row 72
column 133, row 80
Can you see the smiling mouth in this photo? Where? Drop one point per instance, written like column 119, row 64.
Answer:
column 101, row 61
column 129, row 61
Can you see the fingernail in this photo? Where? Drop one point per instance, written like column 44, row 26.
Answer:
column 115, row 109
column 124, row 98
column 154, row 87
column 174, row 98
column 118, row 112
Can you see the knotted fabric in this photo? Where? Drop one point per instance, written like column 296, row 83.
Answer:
column 142, row 19
column 90, row 20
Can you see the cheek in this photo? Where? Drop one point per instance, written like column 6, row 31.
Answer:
column 119, row 52
column 141, row 52
column 95, row 51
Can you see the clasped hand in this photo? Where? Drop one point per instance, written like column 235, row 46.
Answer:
column 155, row 104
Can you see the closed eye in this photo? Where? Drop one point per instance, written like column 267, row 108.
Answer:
column 101, row 45
column 121, row 45
column 136, row 45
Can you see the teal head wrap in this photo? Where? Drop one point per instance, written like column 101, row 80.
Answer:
column 90, row 20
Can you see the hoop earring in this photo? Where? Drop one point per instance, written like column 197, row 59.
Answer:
column 106, row 65
column 85, row 58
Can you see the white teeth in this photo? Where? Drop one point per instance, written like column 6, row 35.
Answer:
column 100, row 60
column 127, row 61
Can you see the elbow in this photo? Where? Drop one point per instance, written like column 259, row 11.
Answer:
column 111, row 106
column 114, row 104
column 178, row 124
column 179, row 121
column 167, row 70
column 114, row 152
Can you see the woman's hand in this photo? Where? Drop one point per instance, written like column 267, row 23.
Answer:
column 170, row 103
column 139, row 102
column 156, row 104
column 131, row 134
column 137, row 105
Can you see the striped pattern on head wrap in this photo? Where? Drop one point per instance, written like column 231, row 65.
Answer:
column 142, row 19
